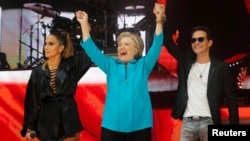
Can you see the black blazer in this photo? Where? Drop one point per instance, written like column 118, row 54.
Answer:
column 220, row 84
column 44, row 109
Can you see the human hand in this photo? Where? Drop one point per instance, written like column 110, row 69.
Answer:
column 81, row 16
column 159, row 11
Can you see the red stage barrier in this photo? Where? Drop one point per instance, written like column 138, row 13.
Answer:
column 90, row 99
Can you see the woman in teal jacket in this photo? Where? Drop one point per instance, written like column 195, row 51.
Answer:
column 127, row 112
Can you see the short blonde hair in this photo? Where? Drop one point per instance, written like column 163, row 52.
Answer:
column 137, row 40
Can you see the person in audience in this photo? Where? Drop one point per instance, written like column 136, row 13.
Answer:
column 128, row 111
column 50, row 110
column 4, row 65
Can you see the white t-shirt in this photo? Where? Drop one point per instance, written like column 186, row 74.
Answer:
column 197, row 104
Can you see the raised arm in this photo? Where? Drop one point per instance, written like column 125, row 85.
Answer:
column 171, row 45
column 154, row 51
column 95, row 54
column 82, row 18
column 159, row 12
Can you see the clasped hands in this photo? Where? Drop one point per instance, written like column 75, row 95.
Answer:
column 158, row 10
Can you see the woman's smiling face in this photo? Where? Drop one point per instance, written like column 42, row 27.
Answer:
column 126, row 50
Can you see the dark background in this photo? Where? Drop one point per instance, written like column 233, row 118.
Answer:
column 228, row 20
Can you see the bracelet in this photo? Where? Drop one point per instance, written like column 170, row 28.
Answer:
column 162, row 20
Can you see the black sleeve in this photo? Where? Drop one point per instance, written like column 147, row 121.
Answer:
column 31, row 104
column 171, row 47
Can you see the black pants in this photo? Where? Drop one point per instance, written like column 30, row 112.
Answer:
column 140, row 135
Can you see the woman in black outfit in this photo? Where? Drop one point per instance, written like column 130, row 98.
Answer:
column 50, row 110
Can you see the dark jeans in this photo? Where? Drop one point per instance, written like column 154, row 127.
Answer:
column 140, row 135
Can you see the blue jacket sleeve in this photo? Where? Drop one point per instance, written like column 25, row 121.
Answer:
column 154, row 51
column 96, row 56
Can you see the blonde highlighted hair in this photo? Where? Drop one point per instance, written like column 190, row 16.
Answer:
column 137, row 40
column 64, row 39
